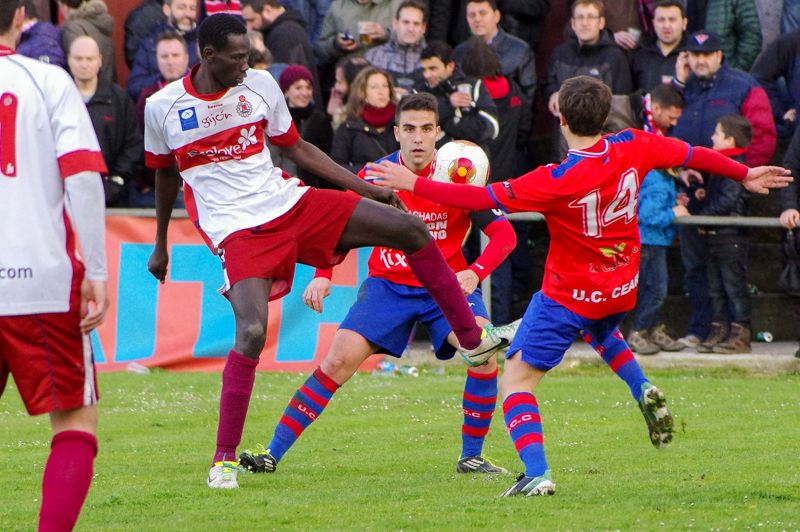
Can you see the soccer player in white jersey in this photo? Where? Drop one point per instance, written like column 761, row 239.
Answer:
column 50, row 165
column 210, row 129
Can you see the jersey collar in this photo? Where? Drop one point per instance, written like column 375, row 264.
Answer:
column 6, row 51
column 426, row 172
column 600, row 149
column 187, row 84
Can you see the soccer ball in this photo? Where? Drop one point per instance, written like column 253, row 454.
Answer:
column 461, row 161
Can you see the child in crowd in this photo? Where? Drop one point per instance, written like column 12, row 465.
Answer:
column 728, row 246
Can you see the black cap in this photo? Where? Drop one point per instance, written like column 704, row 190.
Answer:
column 703, row 42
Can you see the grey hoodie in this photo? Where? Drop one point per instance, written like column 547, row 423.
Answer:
column 92, row 19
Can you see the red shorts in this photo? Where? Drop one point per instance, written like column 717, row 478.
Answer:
column 307, row 234
column 49, row 357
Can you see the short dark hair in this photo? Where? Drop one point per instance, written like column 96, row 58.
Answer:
column 418, row 101
column 491, row 3
column 255, row 57
column 412, row 4
column 214, row 31
column 7, row 12
column 172, row 35
column 601, row 7
column 31, row 11
column 667, row 96
column 736, row 126
column 480, row 60
column 258, row 5
column 74, row 4
column 584, row 102
column 439, row 49
column 670, row 3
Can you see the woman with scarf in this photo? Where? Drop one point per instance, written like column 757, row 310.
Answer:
column 368, row 132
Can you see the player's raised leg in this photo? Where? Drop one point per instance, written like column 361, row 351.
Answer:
column 373, row 224
column 248, row 298
column 652, row 402
column 347, row 352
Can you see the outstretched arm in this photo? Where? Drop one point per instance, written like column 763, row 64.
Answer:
column 398, row 177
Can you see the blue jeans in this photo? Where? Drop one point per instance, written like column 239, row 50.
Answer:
column 727, row 280
column 652, row 286
column 694, row 253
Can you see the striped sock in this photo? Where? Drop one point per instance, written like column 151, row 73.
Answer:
column 480, row 397
column 305, row 406
column 616, row 353
column 521, row 413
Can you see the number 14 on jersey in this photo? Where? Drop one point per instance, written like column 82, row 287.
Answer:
column 622, row 206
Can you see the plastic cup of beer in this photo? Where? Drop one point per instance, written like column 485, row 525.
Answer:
column 363, row 32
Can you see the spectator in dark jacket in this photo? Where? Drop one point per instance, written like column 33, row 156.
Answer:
column 181, row 18
column 367, row 134
column 516, row 57
column 654, row 62
column 90, row 17
column 590, row 52
column 524, row 19
column 448, row 21
column 466, row 111
column 139, row 24
column 285, row 35
column 112, row 115
column 789, row 197
column 400, row 56
column 777, row 69
column 314, row 126
column 313, row 12
column 40, row 40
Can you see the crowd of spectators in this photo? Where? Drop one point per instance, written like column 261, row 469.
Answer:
column 682, row 68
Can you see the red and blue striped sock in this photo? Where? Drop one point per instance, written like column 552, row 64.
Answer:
column 524, row 425
column 619, row 357
column 480, row 397
column 305, row 406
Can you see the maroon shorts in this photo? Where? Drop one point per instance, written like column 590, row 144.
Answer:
column 50, row 359
column 307, row 234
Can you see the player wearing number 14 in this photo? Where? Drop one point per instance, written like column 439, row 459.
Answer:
column 589, row 203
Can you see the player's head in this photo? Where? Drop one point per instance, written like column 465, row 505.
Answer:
column 438, row 62
column 732, row 131
column 172, row 55
column 666, row 105
column 416, row 128
column 584, row 103
column 84, row 59
column 483, row 18
column 224, row 48
column 587, row 20
column 12, row 17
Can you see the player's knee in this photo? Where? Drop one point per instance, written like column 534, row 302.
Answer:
column 412, row 233
column 337, row 368
column 252, row 337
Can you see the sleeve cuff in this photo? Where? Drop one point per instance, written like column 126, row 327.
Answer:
column 156, row 161
column 81, row 161
column 286, row 139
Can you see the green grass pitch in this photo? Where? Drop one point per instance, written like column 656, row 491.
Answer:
column 383, row 455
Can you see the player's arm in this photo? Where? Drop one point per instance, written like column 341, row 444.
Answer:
column 312, row 159
column 502, row 241
column 667, row 153
column 168, row 182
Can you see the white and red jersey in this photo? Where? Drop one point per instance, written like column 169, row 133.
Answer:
column 46, row 136
column 218, row 142
column 589, row 202
column 448, row 227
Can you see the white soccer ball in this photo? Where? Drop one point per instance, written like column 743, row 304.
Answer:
column 461, row 161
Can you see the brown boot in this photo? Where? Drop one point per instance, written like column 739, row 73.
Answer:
column 738, row 341
column 639, row 342
column 718, row 334
column 659, row 336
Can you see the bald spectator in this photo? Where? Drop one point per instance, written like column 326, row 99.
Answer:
column 40, row 40
column 112, row 115
column 90, row 17
column 182, row 19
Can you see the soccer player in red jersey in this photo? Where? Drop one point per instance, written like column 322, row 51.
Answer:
column 391, row 300
column 589, row 202
column 210, row 129
column 50, row 165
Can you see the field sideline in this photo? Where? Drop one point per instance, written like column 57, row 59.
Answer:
column 383, row 456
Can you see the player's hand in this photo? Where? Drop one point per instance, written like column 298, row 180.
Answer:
column 157, row 265
column 790, row 218
column 762, row 178
column 387, row 196
column 552, row 104
column 391, row 175
column 690, row 177
column 468, row 280
column 682, row 67
column 94, row 292
column 318, row 289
